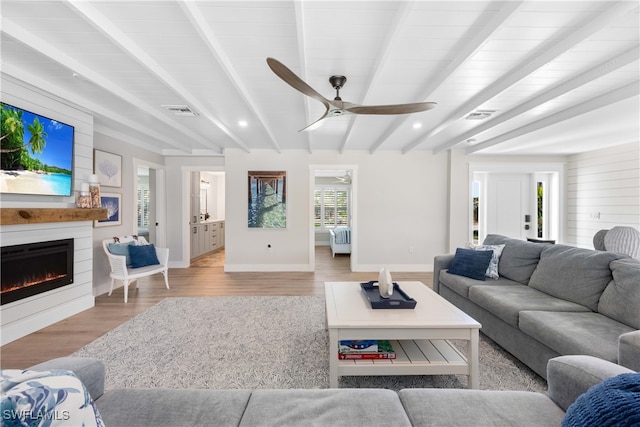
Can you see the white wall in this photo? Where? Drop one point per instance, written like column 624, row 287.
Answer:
column 101, row 280
column 603, row 191
column 22, row 317
column 400, row 213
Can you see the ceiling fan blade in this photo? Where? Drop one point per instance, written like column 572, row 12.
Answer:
column 315, row 125
column 294, row 81
column 390, row 109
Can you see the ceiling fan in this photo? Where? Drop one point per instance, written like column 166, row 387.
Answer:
column 344, row 179
column 338, row 107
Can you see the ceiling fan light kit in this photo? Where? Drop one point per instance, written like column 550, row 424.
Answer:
column 338, row 107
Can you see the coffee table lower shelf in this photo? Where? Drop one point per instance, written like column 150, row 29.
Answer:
column 419, row 357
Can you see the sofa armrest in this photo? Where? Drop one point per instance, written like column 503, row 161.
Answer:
column 88, row 369
column 570, row 376
column 629, row 350
column 440, row 262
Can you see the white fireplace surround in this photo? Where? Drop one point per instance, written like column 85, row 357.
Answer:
column 22, row 317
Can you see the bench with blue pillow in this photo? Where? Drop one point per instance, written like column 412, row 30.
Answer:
column 132, row 257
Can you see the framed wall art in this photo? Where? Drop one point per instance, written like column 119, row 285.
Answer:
column 267, row 199
column 112, row 202
column 108, row 167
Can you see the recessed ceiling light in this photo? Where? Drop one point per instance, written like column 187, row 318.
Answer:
column 471, row 141
column 242, row 123
column 417, row 125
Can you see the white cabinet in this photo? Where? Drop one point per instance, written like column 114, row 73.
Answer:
column 206, row 237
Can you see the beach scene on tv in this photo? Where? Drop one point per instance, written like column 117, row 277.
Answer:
column 36, row 154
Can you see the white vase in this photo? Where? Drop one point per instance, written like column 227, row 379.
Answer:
column 385, row 284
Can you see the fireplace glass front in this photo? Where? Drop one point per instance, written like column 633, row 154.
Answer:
column 33, row 268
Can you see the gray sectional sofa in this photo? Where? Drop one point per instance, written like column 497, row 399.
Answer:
column 552, row 300
column 568, row 378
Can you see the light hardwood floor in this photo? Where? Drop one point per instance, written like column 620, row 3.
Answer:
column 205, row 278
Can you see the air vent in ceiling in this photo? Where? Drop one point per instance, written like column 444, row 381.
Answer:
column 479, row 114
column 181, row 110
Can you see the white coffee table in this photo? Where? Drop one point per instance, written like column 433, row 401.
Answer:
column 419, row 336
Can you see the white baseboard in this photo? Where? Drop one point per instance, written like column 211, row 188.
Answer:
column 407, row 268
column 235, row 268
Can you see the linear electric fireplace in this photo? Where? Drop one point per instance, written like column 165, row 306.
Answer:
column 33, row 268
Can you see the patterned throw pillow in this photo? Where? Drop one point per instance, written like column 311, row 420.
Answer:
column 492, row 270
column 47, row 398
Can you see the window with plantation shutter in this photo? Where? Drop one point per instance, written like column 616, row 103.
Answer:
column 331, row 206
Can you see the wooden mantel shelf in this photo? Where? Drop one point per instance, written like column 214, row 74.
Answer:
column 9, row 216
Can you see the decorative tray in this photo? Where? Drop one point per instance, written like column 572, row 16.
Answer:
column 399, row 299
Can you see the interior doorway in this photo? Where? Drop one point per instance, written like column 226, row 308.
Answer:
column 149, row 199
column 333, row 190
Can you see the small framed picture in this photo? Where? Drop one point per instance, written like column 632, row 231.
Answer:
column 108, row 167
column 112, row 202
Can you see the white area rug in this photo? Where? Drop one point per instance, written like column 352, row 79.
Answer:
column 257, row 342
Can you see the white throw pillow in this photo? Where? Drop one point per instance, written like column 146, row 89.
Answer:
column 492, row 270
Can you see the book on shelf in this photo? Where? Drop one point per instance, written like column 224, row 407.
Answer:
column 366, row 356
column 358, row 346
column 372, row 349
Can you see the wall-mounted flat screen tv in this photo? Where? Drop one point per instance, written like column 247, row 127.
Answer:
column 36, row 154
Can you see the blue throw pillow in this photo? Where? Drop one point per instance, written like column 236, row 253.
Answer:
column 470, row 263
column 143, row 255
column 613, row 402
column 121, row 249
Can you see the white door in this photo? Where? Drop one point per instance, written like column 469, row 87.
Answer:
column 508, row 205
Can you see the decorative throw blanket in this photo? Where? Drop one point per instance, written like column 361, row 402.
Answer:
column 343, row 235
column 613, row 402
column 47, row 398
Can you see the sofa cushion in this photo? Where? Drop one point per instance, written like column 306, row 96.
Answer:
column 470, row 263
column 461, row 284
column 575, row 274
column 519, row 258
column 172, row 407
column 506, row 302
column 575, row 333
column 445, row 407
column 322, row 407
column 620, row 300
column 613, row 402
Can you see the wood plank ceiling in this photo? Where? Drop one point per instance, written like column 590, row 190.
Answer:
column 539, row 77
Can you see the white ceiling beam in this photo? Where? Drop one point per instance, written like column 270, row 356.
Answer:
column 555, row 91
column 15, row 31
column 396, row 27
column 465, row 50
column 194, row 14
column 111, row 31
column 300, row 30
column 541, row 56
column 608, row 98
